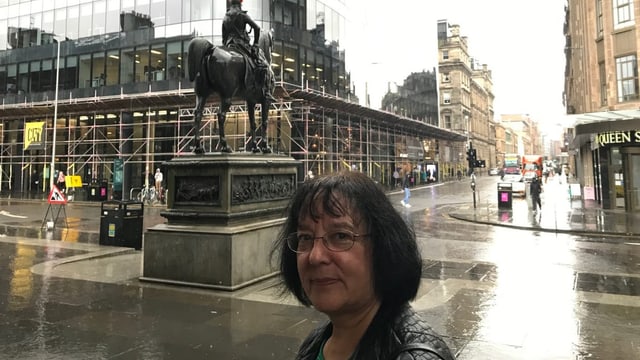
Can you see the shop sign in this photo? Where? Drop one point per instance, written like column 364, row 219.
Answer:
column 628, row 137
column 34, row 135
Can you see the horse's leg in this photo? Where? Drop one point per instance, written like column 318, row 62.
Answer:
column 197, row 118
column 251, row 111
column 264, row 117
column 225, row 104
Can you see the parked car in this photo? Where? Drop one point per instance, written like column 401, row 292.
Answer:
column 494, row 171
column 517, row 182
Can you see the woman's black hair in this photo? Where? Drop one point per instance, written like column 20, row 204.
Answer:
column 397, row 263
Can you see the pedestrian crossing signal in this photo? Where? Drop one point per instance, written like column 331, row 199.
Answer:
column 56, row 197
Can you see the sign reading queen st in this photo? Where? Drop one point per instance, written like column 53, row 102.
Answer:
column 620, row 138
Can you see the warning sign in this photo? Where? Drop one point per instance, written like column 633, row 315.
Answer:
column 56, row 197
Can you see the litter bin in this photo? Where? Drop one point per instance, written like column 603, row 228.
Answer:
column 121, row 223
column 505, row 195
column 103, row 191
column 94, row 191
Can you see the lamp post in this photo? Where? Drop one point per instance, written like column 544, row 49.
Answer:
column 55, row 118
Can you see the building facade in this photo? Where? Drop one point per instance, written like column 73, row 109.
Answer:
column 465, row 93
column 602, row 94
column 123, row 96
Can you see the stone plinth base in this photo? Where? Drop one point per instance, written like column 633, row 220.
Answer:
column 223, row 213
column 219, row 257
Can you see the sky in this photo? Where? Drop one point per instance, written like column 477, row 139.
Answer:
column 521, row 42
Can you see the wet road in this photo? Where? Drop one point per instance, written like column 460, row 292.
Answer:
column 493, row 292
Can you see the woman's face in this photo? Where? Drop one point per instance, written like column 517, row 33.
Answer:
column 336, row 282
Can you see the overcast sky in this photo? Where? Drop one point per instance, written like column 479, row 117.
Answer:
column 521, row 42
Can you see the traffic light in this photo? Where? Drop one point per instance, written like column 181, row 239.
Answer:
column 471, row 155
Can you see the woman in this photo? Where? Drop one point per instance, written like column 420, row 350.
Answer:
column 345, row 251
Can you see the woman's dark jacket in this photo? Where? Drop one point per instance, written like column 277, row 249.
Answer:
column 384, row 338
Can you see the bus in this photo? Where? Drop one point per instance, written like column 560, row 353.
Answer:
column 531, row 167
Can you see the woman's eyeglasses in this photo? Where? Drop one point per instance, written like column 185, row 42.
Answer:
column 340, row 240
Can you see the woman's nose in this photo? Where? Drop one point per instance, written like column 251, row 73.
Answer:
column 318, row 252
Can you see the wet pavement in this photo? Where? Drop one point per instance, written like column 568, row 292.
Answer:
column 498, row 284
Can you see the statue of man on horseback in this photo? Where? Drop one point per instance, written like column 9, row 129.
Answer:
column 235, row 36
column 237, row 69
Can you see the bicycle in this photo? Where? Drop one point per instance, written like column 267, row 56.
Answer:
column 147, row 195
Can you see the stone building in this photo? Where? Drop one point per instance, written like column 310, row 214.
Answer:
column 466, row 93
column 602, row 94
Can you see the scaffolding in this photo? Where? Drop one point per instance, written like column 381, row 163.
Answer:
column 324, row 137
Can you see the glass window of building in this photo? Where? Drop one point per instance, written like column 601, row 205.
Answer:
column 60, row 21
column 141, row 66
column 84, row 71
column 12, row 79
column 290, row 65
column 3, row 34
column 627, row 76
column 185, row 46
column 85, row 20
column 34, row 77
column 157, row 12
column 112, row 19
column 128, row 5
column 142, row 7
column 622, row 13
column 23, row 77
column 68, row 72
column 113, row 67
column 47, row 80
column 72, row 22
column 174, row 12
column 47, row 20
column 157, row 62
column 174, row 61
column 201, row 10
column 186, row 11
column 98, row 77
column 127, row 57
column 3, row 79
column 99, row 17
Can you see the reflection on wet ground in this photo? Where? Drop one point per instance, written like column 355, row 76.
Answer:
column 493, row 292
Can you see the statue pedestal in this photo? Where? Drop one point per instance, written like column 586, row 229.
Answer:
column 223, row 213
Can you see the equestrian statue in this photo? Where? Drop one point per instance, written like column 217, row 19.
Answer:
column 237, row 69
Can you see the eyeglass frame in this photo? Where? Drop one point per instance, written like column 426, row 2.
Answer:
column 294, row 236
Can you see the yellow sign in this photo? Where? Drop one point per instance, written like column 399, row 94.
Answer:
column 34, row 135
column 73, row 181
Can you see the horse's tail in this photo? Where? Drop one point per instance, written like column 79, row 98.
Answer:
column 198, row 48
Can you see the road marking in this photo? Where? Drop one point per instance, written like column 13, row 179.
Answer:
column 6, row 213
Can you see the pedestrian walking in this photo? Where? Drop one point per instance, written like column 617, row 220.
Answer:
column 158, row 178
column 345, row 250
column 61, row 181
column 406, row 183
column 535, row 189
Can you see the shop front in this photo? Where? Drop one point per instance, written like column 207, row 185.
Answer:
column 608, row 160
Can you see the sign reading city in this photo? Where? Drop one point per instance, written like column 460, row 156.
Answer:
column 34, row 135
column 626, row 137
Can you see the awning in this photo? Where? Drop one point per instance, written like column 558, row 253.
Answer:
column 595, row 122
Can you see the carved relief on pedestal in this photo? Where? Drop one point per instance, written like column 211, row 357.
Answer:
column 198, row 189
column 246, row 189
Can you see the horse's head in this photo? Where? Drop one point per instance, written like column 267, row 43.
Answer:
column 266, row 43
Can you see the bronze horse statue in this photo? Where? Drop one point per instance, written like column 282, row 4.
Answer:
column 221, row 70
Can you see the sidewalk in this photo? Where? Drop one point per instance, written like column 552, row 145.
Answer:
column 559, row 214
